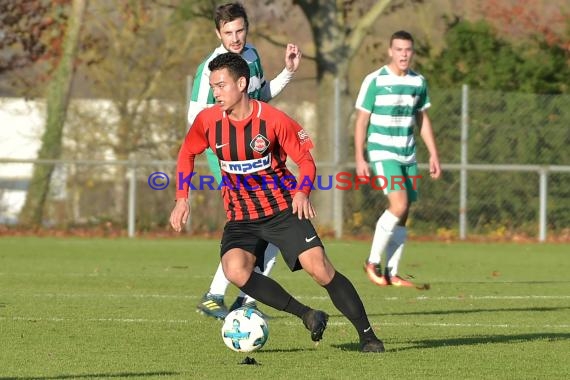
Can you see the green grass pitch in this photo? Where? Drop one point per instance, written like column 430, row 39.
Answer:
column 119, row 308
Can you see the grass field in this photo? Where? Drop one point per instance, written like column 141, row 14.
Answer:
column 96, row 308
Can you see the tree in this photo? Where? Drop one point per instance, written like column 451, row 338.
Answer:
column 513, row 119
column 519, row 19
column 539, row 29
column 338, row 30
column 57, row 99
column 31, row 37
column 474, row 55
column 139, row 54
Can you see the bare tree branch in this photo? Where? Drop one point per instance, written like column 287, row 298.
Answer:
column 273, row 41
column 359, row 32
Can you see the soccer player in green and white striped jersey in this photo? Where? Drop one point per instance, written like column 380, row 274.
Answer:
column 231, row 28
column 391, row 101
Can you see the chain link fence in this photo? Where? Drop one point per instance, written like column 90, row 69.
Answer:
column 505, row 156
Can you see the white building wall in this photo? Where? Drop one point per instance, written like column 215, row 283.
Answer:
column 21, row 127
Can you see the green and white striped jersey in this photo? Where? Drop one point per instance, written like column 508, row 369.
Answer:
column 202, row 96
column 393, row 102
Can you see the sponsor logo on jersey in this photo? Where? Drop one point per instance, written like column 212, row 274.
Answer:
column 259, row 143
column 246, row 166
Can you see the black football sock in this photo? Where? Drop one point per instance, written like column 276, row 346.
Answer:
column 269, row 292
column 346, row 299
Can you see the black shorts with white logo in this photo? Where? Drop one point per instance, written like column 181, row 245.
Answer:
column 291, row 235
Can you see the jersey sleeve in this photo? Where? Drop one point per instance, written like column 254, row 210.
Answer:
column 297, row 143
column 194, row 143
column 367, row 94
column 277, row 84
column 424, row 101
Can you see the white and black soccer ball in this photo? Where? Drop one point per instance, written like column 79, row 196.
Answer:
column 245, row 330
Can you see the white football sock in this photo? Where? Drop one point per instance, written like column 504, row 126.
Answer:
column 395, row 248
column 219, row 283
column 270, row 258
column 384, row 227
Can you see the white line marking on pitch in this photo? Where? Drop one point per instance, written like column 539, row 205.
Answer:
column 419, row 298
column 438, row 324
column 117, row 320
column 332, row 323
column 64, row 295
column 422, row 298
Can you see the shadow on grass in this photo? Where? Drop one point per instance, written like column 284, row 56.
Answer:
column 347, row 346
column 282, row 350
column 467, row 341
column 461, row 311
column 94, row 375
column 484, row 339
column 470, row 311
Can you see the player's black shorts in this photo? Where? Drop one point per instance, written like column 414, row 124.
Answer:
column 291, row 235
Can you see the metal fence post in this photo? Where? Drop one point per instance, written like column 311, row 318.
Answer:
column 463, row 171
column 132, row 198
column 337, row 194
column 542, row 193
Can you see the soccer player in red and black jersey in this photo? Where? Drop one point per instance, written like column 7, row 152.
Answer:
column 263, row 200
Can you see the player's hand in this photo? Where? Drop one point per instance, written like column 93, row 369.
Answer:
column 179, row 215
column 434, row 167
column 362, row 168
column 302, row 206
column 292, row 57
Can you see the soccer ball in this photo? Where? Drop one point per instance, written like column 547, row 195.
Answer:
column 245, row 330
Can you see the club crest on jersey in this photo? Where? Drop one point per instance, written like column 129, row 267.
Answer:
column 259, row 143
column 303, row 136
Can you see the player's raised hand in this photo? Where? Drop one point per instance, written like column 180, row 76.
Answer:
column 292, row 57
column 179, row 215
column 302, row 206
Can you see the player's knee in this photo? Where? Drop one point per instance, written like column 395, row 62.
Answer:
column 319, row 268
column 238, row 277
column 399, row 209
column 323, row 275
column 237, row 272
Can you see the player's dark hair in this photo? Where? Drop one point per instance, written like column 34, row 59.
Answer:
column 234, row 63
column 229, row 12
column 401, row 35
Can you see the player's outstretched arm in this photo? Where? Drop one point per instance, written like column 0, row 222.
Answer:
column 277, row 84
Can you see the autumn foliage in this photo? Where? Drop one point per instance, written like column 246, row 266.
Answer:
column 522, row 18
column 32, row 32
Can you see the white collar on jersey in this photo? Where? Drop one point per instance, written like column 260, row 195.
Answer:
column 225, row 115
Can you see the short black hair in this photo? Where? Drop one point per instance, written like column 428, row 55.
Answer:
column 401, row 35
column 229, row 12
column 236, row 65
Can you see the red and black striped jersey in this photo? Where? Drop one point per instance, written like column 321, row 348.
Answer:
column 252, row 153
